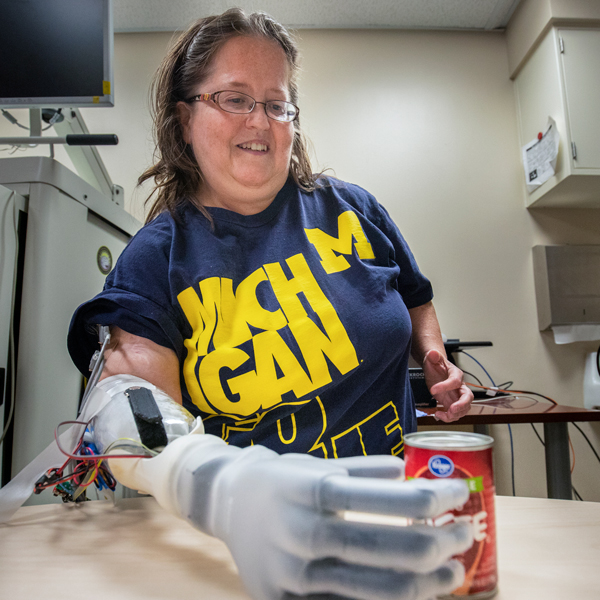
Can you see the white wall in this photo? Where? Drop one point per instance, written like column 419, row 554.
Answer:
column 426, row 121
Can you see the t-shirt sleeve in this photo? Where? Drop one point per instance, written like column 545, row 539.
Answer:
column 136, row 297
column 413, row 286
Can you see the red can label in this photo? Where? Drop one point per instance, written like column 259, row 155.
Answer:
column 475, row 467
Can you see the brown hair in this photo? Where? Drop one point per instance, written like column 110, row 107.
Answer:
column 176, row 173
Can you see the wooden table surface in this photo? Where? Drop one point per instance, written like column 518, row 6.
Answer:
column 548, row 549
column 522, row 409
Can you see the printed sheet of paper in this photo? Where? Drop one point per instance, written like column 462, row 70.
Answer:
column 539, row 157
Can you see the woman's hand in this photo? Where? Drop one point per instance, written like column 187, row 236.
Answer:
column 445, row 382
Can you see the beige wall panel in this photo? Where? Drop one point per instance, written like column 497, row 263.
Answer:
column 526, row 25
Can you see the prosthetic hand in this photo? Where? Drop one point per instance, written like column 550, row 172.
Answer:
column 282, row 516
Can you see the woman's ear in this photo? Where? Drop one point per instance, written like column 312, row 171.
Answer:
column 184, row 114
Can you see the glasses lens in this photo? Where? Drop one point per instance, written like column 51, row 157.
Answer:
column 235, row 102
column 281, row 111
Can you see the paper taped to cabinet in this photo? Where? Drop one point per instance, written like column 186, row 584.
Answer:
column 539, row 157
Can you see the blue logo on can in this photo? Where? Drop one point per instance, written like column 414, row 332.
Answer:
column 441, row 466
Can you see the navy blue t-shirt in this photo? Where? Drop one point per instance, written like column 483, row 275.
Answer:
column 291, row 325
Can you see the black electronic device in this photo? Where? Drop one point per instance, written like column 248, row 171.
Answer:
column 455, row 345
column 423, row 399
column 56, row 53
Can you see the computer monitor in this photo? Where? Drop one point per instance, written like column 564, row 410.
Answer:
column 56, row 53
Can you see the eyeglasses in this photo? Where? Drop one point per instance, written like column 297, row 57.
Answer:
column 242, row 104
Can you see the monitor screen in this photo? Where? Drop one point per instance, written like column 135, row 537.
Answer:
column 56, row 53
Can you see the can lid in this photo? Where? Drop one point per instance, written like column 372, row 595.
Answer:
column 448, row 440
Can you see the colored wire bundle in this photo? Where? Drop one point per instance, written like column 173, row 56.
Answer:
column 85, row 466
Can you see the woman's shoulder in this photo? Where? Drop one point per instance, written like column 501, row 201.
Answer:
column 164, row 229
column 346, row 195
column 151, row 246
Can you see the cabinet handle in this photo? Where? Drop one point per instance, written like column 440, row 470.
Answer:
column 574, row 150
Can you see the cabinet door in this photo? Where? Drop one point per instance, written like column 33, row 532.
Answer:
column 580, row 57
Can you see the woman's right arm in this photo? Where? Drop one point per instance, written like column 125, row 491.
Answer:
column 231, row 492
column 130, row 354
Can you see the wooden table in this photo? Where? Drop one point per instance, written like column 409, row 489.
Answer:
column 524, row 409
column 547, row 550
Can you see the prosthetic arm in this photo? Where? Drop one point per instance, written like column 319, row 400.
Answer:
column 282, row 517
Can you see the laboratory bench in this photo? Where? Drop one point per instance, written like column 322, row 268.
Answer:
column 547, row 549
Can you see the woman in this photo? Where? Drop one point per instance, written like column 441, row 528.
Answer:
column 276, row 305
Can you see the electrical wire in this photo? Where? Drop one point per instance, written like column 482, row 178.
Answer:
column 95, row 457
column 577, row 494
column 538, row 435
column 533, row 394
column 505, row 385
column 12, row 119
column 586, row 439
column 54, row 119
column 473, row 376
column 86, row 466
column 96, row 371
column 512, row 460
column 512, row 392
column 497, row 400
column 573, row 452
column 129, row 443
column 482, row 367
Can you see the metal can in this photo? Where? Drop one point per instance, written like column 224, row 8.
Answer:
column 468, row 456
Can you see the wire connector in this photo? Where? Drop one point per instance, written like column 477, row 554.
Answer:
column 48, row 479
column 491, row 391
column 94, row 359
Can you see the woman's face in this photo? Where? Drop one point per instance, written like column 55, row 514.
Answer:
column 235, row 176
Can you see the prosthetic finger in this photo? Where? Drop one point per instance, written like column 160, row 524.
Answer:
column 368, row 583
column 418, row 499
column 384, row 467
column 290, row 596
column 419, row 548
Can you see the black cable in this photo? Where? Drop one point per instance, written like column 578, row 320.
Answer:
column 587, row 440
column 533, row 394
column 512, row 460
column 505, row 385
column 473, row 376
column 577, row 495
column 538, row 435
column 598, row 360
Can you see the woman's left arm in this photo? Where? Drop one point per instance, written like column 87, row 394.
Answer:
column 444, row 380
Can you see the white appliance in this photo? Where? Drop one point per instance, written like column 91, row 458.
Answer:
column 70, row 236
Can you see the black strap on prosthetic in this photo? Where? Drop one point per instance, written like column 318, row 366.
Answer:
column 147, row 417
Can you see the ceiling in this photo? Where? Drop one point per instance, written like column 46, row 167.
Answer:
column 170, row 15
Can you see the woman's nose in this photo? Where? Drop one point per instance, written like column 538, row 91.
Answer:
column 258, row 117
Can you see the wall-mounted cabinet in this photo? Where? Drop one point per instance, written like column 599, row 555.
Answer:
column 561, row 80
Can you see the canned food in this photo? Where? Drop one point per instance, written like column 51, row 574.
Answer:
column 468, row 456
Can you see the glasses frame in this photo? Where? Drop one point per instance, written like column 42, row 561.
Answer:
column 215, row 95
